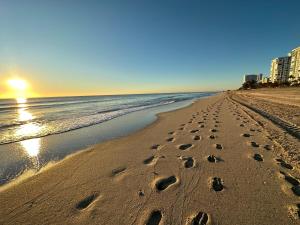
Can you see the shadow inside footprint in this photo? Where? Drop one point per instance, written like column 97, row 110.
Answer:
column 258, row 157
column 217, row 184
column 200, row 219
column 149, row 160
column 118, row 170
column 219, row 146
column 185, row 146
column 164, row 183
column 296, row 190
column 155, row 147
column 213, row 159
column 188, row 162
column 197, row 138
column 194, row 131
column 254, row 144
column 170, row 139
column 246, row 135
column 154, row 218
column 84, row 203
column 284, row 164
column 290, row 179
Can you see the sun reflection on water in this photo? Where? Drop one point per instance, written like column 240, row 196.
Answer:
column 29, row 129
column 32, row 146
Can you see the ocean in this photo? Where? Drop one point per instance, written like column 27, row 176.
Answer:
column 36, row 131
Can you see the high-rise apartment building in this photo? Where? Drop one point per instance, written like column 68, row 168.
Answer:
column 280, row 69
column 294, row 74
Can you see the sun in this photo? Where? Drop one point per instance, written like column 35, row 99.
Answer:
column 17, row 84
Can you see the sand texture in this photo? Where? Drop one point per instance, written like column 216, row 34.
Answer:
column 218, row 161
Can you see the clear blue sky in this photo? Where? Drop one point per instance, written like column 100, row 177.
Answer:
column 104, row 47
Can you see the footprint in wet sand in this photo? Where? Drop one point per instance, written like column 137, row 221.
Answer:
column 200, row 219
column 118, row 170
column 212, row 137
column 197, row 138
column 254, row 144
column 201, row 126
column 154, row 218
column 242, row 125
column 217, row 184
column 189, row 161
column 246, row 135
column 284, row 164
column 170, row 139
column 194, row 131
column 218, row 146
column 185, row 146
column 171, row 132
column 258, row 157
column 213, row 130
column 200, row 122
column 84, row 203
column 164, row 183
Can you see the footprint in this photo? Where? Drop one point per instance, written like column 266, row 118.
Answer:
column 84, row 203
column 200, row 219
column 217, row 184
column 246, row 135
column 290, row 179
column 154, row 218
column 185, row 146
column 258, row 157
column 213, row 130
column 254, row 144
column 170, row 139
column 197, row 138
column 171, row 132
column 242, row 125
column 164, row 183
column 296, row 190
column 201, row 126
column 268, row 147
column 118, row 170
column 212, row 136
column 212, row 159
column 155, row 147
column 149, row 160
column 189, row 162
column 219, row 146
column 284, row 164
column 194, row 131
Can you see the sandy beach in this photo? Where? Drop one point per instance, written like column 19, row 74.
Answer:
column 228, row 159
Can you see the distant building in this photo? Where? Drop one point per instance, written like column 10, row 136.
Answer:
column 294, row 73
column 253, row 77
column 280, row 69
column 265, row 80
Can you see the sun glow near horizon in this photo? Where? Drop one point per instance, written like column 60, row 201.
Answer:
column 16, row 88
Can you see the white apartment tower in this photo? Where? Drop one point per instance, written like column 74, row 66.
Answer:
column 294, row 74
column 280, row 69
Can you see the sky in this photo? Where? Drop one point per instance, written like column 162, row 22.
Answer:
column 99, row 47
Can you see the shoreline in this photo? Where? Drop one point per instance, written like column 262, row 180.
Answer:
column 155, row 112
column 166, row 163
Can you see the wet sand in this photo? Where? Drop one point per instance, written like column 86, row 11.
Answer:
column 217, row 161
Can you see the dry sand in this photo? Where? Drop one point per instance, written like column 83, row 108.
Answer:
column 214, row 162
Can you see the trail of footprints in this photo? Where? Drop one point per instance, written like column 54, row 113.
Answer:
column 162, row 184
